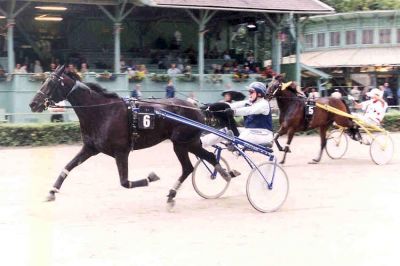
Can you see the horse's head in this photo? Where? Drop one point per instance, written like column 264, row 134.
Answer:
column 54, row 89
column 274, row 87
column 216, row 112
column 278, row 88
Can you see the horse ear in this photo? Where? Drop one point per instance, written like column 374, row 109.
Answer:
column 60, row 70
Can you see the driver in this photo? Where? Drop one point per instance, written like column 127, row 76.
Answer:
column 375, row 108
column 257, row 118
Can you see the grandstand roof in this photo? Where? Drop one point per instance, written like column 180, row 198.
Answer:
column 264, row 6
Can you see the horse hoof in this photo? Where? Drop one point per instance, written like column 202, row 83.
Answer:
column 170, row 205
column 153, row 177
column 223, row 173
column 282, row 162
column 50, row 197
column 314, row 161
column 234, row 173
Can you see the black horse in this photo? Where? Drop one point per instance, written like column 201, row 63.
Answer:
column 103, row 118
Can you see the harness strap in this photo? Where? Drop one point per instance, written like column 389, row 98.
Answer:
column 132, row 118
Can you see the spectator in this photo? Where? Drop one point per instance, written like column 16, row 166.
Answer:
column 141, row 72
column 231, row 95
column 71, row 69
column 122, row 65
column 226, row 56
column 137, row 91
column 364, row 92
column 398, row 96
column 192, row 99
column 57, row 115
column 53, row 67
column 388, row 94
column 173, row 70
column 187, row 70
column 314, row 94
column 19, row 70
column 246, row 70
column 37, row 68
column 355, row 92
column 131, row 72
column 268, row 72
column 2, row 72
column 336, row 94
column 84, row 68
column 170, row 90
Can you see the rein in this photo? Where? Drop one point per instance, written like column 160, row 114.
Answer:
column 105, row 104
column 78, row 84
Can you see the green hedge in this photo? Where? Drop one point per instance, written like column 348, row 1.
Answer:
column 39, row 134
column 66, row 133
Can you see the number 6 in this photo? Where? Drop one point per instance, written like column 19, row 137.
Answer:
column 146, row 121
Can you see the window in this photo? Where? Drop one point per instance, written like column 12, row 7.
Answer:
column 367, row 37
column 351, row 37
column 335, row 38
column 321, row 40
column 385, row 36
column 309, row 38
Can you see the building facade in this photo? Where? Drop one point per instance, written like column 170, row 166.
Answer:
column 356, row 49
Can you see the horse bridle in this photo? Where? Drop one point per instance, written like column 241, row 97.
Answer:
column 48, row 101
column 271, row 95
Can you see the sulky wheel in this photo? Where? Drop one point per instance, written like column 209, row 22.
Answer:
column 336, row 144
column 381, row 149
column 267, row 187
column 207, row 182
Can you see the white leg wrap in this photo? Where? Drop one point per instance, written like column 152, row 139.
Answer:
column 177, row 186
column 64, row 173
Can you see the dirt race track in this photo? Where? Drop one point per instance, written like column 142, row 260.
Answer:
column 340, row 212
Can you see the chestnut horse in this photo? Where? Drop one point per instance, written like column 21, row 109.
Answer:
column 104, row 123
column 292, row 116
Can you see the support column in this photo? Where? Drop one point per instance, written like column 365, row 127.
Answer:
column 117, row 19
column 298, row 51
column 10, row 44
column 201, row 50
column 11, row 14
column 276, row 50
column 276, row 56
column 201, row 22
column 117, row 47
column 255, row 46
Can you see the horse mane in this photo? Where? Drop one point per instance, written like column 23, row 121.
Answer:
column 102, row 91
column 290, row 87
column 73, row 75
column 93, row 86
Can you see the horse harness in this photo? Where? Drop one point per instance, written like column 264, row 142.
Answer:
column 139, row 117
column 309, row 104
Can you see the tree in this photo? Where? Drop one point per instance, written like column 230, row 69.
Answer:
column 362, row 5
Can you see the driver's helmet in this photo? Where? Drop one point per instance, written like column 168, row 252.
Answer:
column 259, row 87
